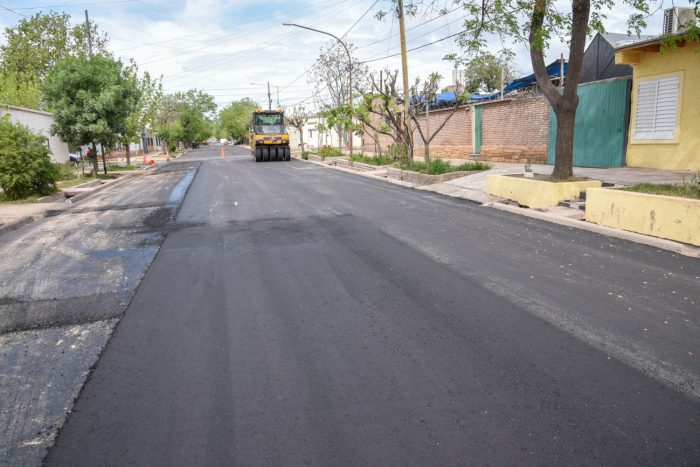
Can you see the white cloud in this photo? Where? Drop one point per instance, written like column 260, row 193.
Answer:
column 223, row 46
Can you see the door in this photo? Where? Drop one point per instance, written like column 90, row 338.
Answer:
column 602, row 123
column 477, row 129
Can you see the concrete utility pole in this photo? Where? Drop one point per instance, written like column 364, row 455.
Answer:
column 269, row 97
column 349, row 67
column 89, row 35
column 404, row 69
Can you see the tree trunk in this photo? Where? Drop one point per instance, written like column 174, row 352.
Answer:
column 565, row 104
column 128, row 154
column 564, row 147
column 104, row 161
column 94, row 160
column 301, row 139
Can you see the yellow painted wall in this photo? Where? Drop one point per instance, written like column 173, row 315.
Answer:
column 684, row 152
column 535, row 193
column 661, row 216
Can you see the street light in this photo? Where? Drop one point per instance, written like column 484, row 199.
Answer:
column 349, row 65
column 269, row 97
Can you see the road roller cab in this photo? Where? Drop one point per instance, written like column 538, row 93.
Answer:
column 269, row 141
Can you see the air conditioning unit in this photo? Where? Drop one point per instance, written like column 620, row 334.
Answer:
column 678, row 19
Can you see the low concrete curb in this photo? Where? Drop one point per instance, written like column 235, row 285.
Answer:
column 119, row 181
column 660, row 243
column 19, row 223
column 14, row 225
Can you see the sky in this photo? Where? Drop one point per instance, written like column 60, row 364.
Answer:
column 232, row 48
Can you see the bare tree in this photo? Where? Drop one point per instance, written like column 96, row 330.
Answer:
column 297, row 119
column 422, row 95
column 330, row 76
column 382, row 112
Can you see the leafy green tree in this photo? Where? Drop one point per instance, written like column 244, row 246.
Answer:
column 25, row 165
column 186, row 117
column 144, row 112
column 15, row 91
column 484, row 72
column 91, row 100
column 235, row 119
column 535, row 24
column 33, row 46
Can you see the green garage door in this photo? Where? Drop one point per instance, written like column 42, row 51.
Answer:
column 477, row 129
column 602, row 122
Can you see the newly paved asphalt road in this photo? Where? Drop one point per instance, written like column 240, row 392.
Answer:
column 300, row 315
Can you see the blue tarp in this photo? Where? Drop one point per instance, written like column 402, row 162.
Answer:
column 446, row 98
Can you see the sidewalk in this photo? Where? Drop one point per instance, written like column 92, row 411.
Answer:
column 473, row 188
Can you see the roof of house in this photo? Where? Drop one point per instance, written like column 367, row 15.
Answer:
column 652, row 41
column 14, row 107
column 617, row 39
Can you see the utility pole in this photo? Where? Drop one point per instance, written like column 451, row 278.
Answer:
column 89, row 36
column 278, row 96
column 404, row 69
column 269, row 97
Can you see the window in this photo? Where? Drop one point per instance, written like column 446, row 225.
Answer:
column 657, row 109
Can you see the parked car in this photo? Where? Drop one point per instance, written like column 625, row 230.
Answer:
column 74, row 157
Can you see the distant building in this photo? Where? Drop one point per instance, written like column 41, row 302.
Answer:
column 313, row 138
column 39, row 122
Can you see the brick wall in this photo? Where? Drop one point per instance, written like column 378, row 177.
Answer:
column 452, row 142
column 514, row 130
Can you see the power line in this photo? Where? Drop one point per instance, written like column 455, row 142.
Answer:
column 415, row 48
column 68, row 5
column 13, row 11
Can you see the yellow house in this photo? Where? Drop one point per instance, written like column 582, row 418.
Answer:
column 665, row 111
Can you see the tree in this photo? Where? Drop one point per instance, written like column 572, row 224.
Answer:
column 382, row 111
column 423, row 93
column 25, row 164
column 34, row 45
column 298, row 119
column 91, row 99
column 186, row 117
column 150, row 92
column 235, row 118
column 15, row 91
column 485, row 71
column 535, row 23
column 330, row 75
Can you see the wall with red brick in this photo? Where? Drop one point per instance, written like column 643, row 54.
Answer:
column 514, row 130
column 452, row 142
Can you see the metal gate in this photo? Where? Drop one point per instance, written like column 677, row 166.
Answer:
column 477, row 129
column 602, row 123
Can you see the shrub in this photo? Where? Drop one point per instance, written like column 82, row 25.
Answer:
column 173, row 147
column 25, row 165
column 439, row 167
column 397, row 153
column 329, row 151
column 305, row 155
column 378, row 160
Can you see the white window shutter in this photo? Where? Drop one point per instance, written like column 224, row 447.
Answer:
column 657, row 108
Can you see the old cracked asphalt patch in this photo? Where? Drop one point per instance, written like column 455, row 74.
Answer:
column 64, row 283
